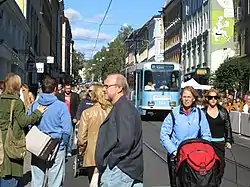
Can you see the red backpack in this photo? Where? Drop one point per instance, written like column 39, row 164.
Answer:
column 198, row 164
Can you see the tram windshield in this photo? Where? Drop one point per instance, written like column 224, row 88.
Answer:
column 161, row 80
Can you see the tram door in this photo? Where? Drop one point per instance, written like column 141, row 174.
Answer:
column 139, row 78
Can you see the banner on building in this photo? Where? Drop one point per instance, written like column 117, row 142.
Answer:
column 50, row 60
column 40, row 67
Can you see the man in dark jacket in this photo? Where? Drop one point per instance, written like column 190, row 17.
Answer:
column 72, row 101
column 119, row 149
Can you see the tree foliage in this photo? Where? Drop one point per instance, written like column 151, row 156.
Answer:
column 233, row 72
column 78, row 62
column 110, row 59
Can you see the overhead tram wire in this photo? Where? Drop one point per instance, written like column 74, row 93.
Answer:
column 99, row 30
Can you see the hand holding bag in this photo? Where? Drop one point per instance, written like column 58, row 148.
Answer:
column 14, row 147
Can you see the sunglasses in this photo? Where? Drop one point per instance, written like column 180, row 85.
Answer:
column 211, row 97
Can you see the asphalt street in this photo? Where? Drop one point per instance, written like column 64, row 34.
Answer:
column 155, row 168
column 240, row 150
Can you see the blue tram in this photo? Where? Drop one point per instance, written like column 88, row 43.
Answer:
column 154, row 86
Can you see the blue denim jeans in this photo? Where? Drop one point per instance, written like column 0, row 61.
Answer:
column 116, row 177
column 71, row 140
column 8, row 182
column 55, row 171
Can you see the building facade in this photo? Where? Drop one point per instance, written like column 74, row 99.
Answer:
column 13, row 40
column 156, row 39
column 242, row 26
column 207, row 37
column 172, row 16
column 66, row 47
column 55, row 7
column 146, row 43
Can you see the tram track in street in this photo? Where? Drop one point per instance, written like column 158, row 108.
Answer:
column 227, row 159
column 164, row 157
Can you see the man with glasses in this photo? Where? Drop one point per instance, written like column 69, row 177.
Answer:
column 119, row 149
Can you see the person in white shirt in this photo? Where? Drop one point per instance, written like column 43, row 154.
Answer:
column 246, row 108
column 149, row 87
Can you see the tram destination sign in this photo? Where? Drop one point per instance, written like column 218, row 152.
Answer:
column 162, row 66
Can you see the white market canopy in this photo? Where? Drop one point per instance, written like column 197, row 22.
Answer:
column 195, row 85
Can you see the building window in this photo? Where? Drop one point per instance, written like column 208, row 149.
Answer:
column 189, row 60
column 200, row 53
column 205, row 54
column 194, row 57
column 248, row 6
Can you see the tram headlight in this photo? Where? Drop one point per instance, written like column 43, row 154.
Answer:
column 172, row 104
column 151, row 103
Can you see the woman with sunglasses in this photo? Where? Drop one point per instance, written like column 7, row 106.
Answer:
column 220, row 125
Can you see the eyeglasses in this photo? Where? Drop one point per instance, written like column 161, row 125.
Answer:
column 210, row 97
column 107, row 86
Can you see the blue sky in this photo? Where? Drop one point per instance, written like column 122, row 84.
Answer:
column 85, row 17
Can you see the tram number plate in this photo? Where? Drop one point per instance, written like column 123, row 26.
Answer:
column 161, row 98
column 162, row 102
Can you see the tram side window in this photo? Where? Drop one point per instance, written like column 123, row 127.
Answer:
column 131, row 81
column 175, row 80
column 149, row 81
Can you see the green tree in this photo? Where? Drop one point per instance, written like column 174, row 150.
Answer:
column 78, row 62
column 233, row 72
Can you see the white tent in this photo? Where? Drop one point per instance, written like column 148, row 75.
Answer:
column 195, row 85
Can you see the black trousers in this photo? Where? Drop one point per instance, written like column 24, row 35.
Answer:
column 219, row 148
column 90, row 172
column 172, row 164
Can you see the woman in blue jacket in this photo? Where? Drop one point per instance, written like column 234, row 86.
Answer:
column 189, row 123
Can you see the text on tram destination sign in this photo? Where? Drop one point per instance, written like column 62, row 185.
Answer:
column 162, row 66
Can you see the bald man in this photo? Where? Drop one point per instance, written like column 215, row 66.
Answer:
column 119, row 156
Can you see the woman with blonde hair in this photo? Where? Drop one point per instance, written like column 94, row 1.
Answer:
column 220, row 125
column 28, row 98
column 11, row 170
column 88, row 129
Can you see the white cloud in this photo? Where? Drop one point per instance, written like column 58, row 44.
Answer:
column 87, row 49
column 98, row 17
column 73, row 15
column 87, row 34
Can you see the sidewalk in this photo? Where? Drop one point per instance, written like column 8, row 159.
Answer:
column 241, row 140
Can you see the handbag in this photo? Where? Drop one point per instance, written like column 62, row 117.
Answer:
column 41, row 145
column 14, row 147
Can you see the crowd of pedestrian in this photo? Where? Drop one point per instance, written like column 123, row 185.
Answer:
column 109, row 131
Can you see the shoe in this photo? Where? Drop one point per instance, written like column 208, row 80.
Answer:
column 69, row 154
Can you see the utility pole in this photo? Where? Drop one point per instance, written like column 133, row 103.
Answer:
column 2, row 2
column 136, row 46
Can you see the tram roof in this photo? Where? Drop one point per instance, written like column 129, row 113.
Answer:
column 147, row 65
